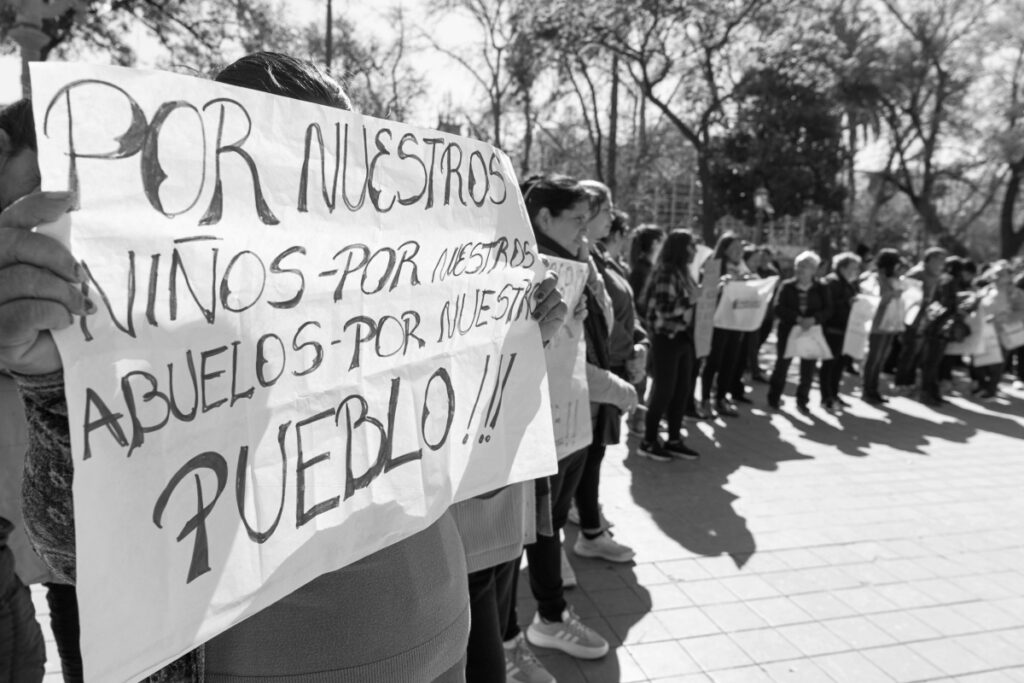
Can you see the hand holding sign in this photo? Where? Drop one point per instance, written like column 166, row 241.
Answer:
column 39, row 284
column 551, row 311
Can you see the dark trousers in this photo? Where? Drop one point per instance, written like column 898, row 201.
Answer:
column 831, row 374
column 1017, row 357
column 988, row 377
column 545, row 555
column 777, row 383
column 587, row 498
column 721, row 364
column 22, row 649
column 63, row 602
column 879, row 345
column 671, row 384
column 491, row 593
column 911, row 346
column 747, row 341
column 933, row 350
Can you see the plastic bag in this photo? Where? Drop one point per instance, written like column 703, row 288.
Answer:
column 808, row 344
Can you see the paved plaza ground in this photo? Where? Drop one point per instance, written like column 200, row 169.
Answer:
column 883, row 545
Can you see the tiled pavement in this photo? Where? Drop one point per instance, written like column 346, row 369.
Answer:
column 883, row 545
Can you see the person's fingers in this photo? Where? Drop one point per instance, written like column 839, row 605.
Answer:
column 23, row 319
column 21, row 281
column 553, row 321
column 545, row 305
column 35, row 209
column 546, row 286
column 21, row 246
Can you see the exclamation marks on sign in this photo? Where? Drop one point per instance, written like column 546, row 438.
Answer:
column 497, row 395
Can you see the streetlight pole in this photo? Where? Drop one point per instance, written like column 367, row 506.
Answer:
column 28, row 33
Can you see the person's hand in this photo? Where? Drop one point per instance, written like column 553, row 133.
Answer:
column 636, row 366
column 630, row 401
column 549, row 310
column 40, row 284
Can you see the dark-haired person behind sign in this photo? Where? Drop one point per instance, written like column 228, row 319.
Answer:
column 400, row 614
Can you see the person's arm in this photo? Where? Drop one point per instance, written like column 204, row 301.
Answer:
column 786, row 304
column 605, row 386
column 826, row 310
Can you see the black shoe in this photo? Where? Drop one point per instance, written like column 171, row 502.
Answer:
column 803, row 407
column 841, row 402
column 774, row 403
column 743, row 399
column 680, row 450
column 759, row 377
column 653, row 451
column 875, row 399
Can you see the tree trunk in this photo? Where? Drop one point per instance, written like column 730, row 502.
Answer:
column 707, row 209
column 613, row 127
column 524, row 167
column 1010, row 239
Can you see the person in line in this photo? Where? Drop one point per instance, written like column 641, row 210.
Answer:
column 963, row 272
column 803, row 301
column 645, row 242
column 769, row 267
column 1000, row 303
column 726, row 345
column 842, row 287
column 887, row 323
column 627, row 359
column 426, row 615
column 22, row 649
column 559, row 209
column 671, row 296
column 923, row 345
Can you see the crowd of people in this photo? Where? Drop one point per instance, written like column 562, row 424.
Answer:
column 451, row 591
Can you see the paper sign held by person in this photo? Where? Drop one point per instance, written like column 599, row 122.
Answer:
column 744, row 303
column 314, row 334
column 566, row 356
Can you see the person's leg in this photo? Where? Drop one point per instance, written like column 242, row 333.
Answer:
column 507, row 602
column 931, row 357
column 485, row 656
column 712, row 363
column 587, row 503
column 878, row 349
column 663, row 381
column 545, row 555
column 910, row 353
column 737, row 388
column 832, row 370
column 777, row 382
column 730, row 360
column 807, row 371
column 63, row 602
column 681, row 395
column 22, row 649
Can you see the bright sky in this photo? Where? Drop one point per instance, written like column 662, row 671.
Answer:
column 446, row 80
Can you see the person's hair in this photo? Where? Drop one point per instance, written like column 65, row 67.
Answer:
column 954, row 265
column 723, row 244
column 807, row 257
column 675, row 251
column 551, row 191
column 840, row 261
column 887, row 261
column 278, row 74
column 619, row 226
column 749, row 251
column 645, row 236
column 934, row 252
column 16, row 120
column 597, row 194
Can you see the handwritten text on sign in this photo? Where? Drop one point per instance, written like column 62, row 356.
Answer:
column 315, row 333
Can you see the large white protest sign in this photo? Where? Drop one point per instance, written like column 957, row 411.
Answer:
column 743, row 304
column 566, row 357
column 314, row 334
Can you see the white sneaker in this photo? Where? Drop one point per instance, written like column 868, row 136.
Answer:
column 569, row 635
column 604, row 547
column 521, row 666
column 568, row 574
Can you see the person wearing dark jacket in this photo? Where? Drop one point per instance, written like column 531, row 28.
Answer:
column 22, row 651
column 801, row 301
column 842, row 287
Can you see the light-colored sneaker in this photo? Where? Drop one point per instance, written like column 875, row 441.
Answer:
column 604, row 547
column 568, row 574
column 569, row 635
column 521, row 666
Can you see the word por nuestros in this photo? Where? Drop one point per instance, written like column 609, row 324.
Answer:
column 343, row 157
